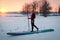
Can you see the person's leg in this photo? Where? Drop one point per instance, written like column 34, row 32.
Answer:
column 32, row 26
column 36, row 27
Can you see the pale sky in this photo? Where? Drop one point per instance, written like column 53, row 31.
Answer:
column 16, row 5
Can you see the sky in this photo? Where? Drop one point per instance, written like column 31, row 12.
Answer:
column 16, row 5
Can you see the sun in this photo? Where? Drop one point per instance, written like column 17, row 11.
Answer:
column 3, row 10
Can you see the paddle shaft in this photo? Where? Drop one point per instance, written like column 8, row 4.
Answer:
column 28, row 21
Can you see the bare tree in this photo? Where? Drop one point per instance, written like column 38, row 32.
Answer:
column 34, row 5
column 26, row 7
column 45, row 8
column 59, row 10
column 40, row 6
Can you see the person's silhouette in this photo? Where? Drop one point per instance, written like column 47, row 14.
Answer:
column 33, row 20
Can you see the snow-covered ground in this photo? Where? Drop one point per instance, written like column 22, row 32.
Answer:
column 20, row 24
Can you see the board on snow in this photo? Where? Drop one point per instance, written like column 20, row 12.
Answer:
column 27, row 33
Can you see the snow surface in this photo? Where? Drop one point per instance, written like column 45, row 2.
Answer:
column 19, row 23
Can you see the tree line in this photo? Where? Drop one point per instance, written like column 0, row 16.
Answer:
column 42, row 6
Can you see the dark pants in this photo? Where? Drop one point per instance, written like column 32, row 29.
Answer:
column 33, row 25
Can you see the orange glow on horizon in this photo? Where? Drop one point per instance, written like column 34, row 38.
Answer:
column 17, row 5
column 3, row 11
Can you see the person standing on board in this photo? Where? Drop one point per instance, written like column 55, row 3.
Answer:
column 33, row 20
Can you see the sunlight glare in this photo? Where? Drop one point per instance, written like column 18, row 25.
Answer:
column 3, row 11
